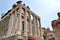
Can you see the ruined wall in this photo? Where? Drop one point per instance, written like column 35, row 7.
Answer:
column 56, row 27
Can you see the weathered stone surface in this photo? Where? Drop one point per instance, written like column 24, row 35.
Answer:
column 12, row 24
column 4, row 26
column 56, row 27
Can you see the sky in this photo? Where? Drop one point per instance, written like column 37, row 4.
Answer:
column 46, row 9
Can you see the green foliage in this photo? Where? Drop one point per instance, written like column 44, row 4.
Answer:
column 45, row 36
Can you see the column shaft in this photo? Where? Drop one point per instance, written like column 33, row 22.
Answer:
column 35, row 26
column 19, row 21
column 14, row 23
column 25, row 25
column 38, row 29
column 10, row 25
column 30, row 24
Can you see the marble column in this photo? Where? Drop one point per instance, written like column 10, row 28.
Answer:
column 14, row 23
column 39, row 28
column 35, row 26
column 10, row 25
column 19, row 21
column 25, row 25
column 30, row 24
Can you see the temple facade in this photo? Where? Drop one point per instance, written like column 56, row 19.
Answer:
column 56, row 27
column 20, row 23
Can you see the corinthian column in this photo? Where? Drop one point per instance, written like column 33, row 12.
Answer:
column 39, row 28
column 25, row 25
column 30, row 24
column 19, row 21
column 35, row 26
column 10, row 25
